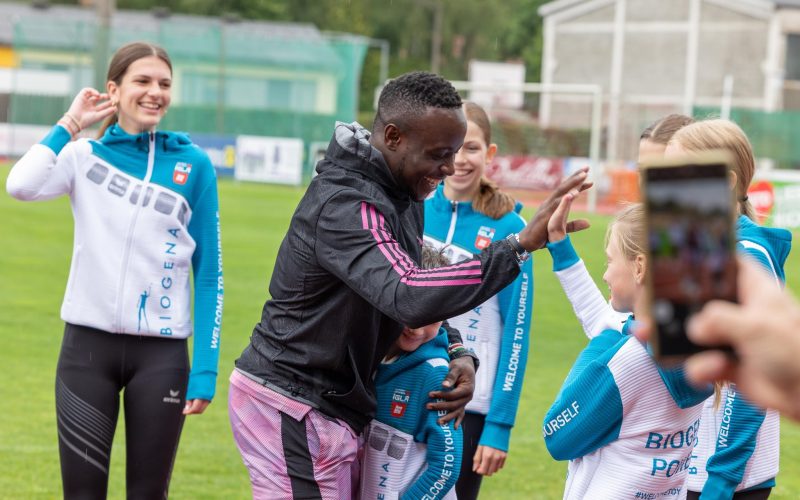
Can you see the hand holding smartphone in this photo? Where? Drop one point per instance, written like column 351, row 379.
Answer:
column 691, row 237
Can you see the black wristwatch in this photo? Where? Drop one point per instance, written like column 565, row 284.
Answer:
column 460, row 353
column 519, row 250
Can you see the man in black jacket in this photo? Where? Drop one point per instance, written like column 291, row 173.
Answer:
column 345, row 282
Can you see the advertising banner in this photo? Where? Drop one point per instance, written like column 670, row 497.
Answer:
column 497, row 75
column 775, row 196
column 276, row 160
column 221, row 149
column 316, row 152
column 526, row 172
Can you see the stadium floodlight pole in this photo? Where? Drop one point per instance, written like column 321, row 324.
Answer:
column 104, row 10
column 594, row 144
column 595, row 91
column 727, row 97
column 383, row 73
column 436, row 36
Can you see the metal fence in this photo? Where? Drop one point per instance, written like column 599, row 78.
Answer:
column 236, row 78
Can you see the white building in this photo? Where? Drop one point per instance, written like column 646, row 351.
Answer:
column 654, row 57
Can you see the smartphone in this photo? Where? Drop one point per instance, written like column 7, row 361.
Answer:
column 691, row 237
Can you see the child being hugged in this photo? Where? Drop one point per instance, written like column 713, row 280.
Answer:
column 408, row 454
column 627, row 425
column 465, row 215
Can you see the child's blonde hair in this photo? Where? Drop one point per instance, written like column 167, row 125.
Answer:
column 630, row 231
column 723, row 134
column 631, row 238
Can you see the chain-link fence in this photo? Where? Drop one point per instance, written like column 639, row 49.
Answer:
column 773, row 135
column 230, row 77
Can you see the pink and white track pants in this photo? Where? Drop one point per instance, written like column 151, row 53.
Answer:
column 290, row 449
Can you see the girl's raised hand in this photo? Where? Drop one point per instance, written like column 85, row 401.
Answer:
column 89, row 107
column 534, row 235
column 558, row 226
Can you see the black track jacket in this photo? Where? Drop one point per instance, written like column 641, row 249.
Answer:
column 346, row 280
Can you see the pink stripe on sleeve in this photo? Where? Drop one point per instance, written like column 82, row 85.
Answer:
column 443, row 271
column 411, row 275
column 364, row 221
column 472, row 281
column 469, row 264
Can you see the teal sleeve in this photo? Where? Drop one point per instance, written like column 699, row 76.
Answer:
column 563, row 254
column 57, row 138
column 516, row 305
column 759, row 257
column 741, row 421
column 444, row 447
column 684, row 393
column 736, row 442
column 587, row 413
column 208, row 292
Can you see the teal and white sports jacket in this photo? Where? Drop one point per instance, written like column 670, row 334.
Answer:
column 627, row 426
column 592, row 310
column 498, row 330
column 407, row 453
column 742, row 440
column 739, row 443
column 146, row 211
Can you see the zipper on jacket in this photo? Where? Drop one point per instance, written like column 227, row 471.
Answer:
column 126, row 250
column 453, row 219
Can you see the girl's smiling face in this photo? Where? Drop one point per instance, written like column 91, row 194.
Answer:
column 143, row 95
column 470, row 163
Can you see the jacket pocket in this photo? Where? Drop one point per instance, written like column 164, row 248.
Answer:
column 357, row 398
column 73, row 274
column 484, row 377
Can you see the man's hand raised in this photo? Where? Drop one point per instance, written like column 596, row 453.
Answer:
column 534, row 235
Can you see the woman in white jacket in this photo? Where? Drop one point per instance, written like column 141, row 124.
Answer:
column 146, row 217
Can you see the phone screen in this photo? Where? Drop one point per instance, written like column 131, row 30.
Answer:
column 691, row 238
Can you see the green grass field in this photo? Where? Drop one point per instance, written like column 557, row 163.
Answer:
column 34, row 262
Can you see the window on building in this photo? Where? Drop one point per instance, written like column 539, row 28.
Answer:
column 792, row 57
column 291, row 95
column 304, row 95
column 279, row 94
column 244, row 92
column 250, row 92
column 199, row 88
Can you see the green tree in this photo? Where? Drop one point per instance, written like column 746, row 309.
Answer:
column 469, row 29
column 523, row 38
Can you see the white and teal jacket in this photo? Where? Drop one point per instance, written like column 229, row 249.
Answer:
column 407, row 453
column 498, row 330
column 739, row 443
column 146, row 211
column 627, row 426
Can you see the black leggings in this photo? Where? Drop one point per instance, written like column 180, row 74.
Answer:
column 759, row 494
column 469, row 483
column 94, row 366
